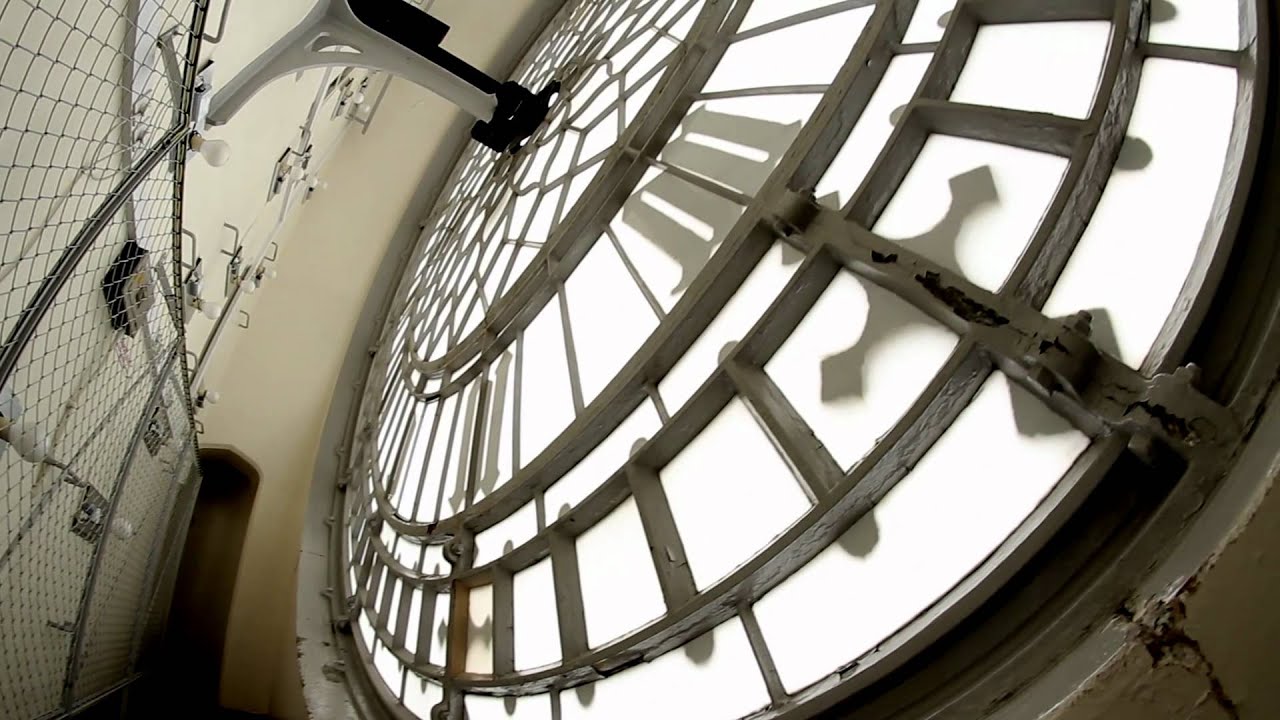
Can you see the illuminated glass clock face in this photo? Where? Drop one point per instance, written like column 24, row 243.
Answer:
column 501, row 211
column 657, row 411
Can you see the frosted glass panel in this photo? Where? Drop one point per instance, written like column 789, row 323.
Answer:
column 537, row 628
column 497, row 445
column 433, row 560
column 389, row 669
column 608, row 315
column 620, row 591
column 484, row 707
column 1004, row 453
column 1196, row 23
column 763, row 12
column 731, row 494
column 480, row 634
column 856, row 362
column 602, row 462
column 415, row 455
column 972, row 206
column 392, row 607
column 437, row 459
column 872, row 131
column 406, row 551
column 546, row 401
column 515, row 530
column 713, row 678
column 421, row 694
column 414, row 619
column 929, row 22
column 464, row 438
column 758, row 291
column 1130, row 264
column 440, row 633
column 810, row 53
column 1049, row 67
column 366, row 629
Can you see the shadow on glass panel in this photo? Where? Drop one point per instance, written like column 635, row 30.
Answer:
column 490, row 473
column 734, row 150
column 1135, row 154
column 895, row 116
column 686, row 222
column 862, row 538
column 843, row 373
column 972, row 192
column 468, row 426
column 1032, row 417
column 700, row 649
column 1163, row 11
column 482, row 632
column 858, row 541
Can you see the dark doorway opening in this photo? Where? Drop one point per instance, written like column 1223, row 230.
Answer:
column 184, row 682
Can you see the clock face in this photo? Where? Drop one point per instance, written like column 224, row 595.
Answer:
column 712, row 373
column 500, row 212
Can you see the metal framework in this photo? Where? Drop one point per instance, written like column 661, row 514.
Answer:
column 99, row 473
column 1162, row 427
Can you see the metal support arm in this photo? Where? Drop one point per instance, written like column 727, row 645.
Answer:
column 1058, row 358
column 395, row 37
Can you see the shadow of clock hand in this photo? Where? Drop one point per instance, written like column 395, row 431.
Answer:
column 671, row 235
column 843, row 374
column 971, row 192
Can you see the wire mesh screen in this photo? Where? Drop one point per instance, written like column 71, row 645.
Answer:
column 99, row 456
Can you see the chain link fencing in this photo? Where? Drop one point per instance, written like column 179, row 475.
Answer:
column 97, row 472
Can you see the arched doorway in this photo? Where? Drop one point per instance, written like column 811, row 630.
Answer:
column 190, row 672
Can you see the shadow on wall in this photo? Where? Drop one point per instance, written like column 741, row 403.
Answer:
column 189, row 670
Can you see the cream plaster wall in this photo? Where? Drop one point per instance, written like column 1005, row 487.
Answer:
column 277, row 380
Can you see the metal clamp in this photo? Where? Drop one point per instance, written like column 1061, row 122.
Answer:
column 1058, row 359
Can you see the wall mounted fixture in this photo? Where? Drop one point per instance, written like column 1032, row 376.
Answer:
column 127, row 288
column 292, row 165
column 395, row 37
column 23, row 435
column 215, row 152
column 207, row 397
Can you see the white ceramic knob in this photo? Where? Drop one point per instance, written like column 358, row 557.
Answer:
column 27, row 439
column 211, row 309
